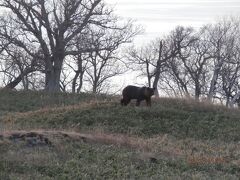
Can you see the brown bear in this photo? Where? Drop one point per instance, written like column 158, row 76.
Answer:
column 138, row 93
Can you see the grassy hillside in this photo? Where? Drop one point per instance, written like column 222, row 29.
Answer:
column 69, row 136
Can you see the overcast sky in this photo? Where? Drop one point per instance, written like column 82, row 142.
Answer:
column 160, row 16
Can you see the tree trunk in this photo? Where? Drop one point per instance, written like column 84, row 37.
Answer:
column 215, row 75
column 18, row 79
column 53, row 81
column 234, row 100
column 80, row 83
column 212, row 86
column 78, row 74
column 197, row 90
column 74, row 82
column 94, row 89
column 148, row 74
column 155, row 82
column 25, row 82
column 227, row 102
column 158, row 70
column 52, row 77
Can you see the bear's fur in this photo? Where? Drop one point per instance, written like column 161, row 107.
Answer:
column 138, row 93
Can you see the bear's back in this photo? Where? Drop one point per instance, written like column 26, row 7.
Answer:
column 131, row 92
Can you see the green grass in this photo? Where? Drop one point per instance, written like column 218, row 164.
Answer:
column 172, row 129
column 23, row 101
column 76, row 160
column 183, row 119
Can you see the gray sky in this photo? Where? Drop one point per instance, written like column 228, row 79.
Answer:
column 160, row 16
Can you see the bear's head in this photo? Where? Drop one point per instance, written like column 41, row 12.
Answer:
column 149, row 91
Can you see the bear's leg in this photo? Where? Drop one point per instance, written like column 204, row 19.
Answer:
column 138, row 102
column 148, row 101
column 125, row 101
column 122, row 102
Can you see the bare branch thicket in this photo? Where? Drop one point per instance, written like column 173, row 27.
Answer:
column 177, row 76
column 151, row 59
column 17, row 67
column 142, row 60
column 203, row 58
column 217, row 36
column 200, row 64
column 52, row 26
column 194, row 59
column 230, row 72
column 156, row 58
column 105, row 64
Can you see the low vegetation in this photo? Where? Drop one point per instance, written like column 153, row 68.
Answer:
column 70, row 136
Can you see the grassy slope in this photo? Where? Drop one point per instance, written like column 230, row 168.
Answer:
column 187, row 139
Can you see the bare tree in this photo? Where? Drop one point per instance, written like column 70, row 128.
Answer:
column 104, row 64
column 195, row 59
column 17, row 65
column 64, row 80
column 177, row 75
column 142, row 60
column 218, row 36
column 151, row 59
column 230, row 72
column 102, row 67
column 229, row 77
column 52, row 27
column 207, row 62
column 169, row 49
column 81, row 61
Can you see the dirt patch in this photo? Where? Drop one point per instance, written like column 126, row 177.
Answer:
column 49, row 138
column 44, row 137
column 152, row 149
column 30, row 138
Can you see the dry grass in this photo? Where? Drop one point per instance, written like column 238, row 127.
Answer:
column 166, row 139
column 8, row 122
column 46, row 110
column 160, row 147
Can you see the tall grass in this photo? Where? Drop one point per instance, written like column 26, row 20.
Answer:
column 173, row 139
column 180, row 118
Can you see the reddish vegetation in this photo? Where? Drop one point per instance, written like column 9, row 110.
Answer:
column 162, row 146
column 205, row 160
